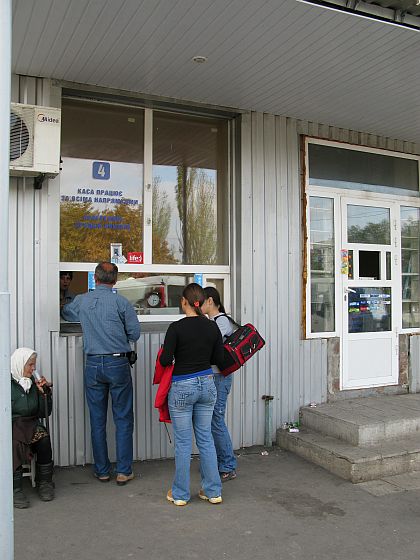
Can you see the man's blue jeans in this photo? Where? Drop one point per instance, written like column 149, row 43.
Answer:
column 191, row 404
column 104, row 375
column 225, row 456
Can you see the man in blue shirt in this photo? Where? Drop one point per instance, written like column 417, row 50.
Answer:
column 109, row 323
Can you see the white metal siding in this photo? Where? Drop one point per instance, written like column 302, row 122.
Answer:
column 32, row 248
column 268, row 274
column 293, row 370
column 72, row 444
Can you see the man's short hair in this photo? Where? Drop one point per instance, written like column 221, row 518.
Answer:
column 106, row 272
column 66, row 273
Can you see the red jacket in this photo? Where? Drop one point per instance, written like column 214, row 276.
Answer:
column 163, row 377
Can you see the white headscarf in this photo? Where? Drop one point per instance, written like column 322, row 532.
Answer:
column 18, row 361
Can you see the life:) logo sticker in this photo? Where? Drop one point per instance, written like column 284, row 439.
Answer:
column 101, row 170
column 135, row 258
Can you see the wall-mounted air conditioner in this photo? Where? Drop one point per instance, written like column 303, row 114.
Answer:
column 34, row 140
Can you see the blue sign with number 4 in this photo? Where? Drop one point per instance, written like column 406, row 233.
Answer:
column 101, row 170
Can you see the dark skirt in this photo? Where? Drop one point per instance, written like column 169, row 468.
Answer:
column 26, row 430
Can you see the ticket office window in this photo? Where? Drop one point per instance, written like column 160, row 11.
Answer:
column 162, row 234
column 101, row 181
column 190, row 209
column 151, row 294
column 71, row 284
column 160, row 294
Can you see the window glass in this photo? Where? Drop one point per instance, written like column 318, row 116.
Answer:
column 369, row 310
column 388, row 265
column 410, row 234
column 101, row 183
column 190, row 190
column 322, row 264
column 103, row 204
column 368, row 224
column 219, row 284
column 330, row 166
column 153, row 294
column 370, row 265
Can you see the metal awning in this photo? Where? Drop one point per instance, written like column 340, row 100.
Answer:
column 277, row 56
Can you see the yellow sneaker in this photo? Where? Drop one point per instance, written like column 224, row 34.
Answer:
column 215, row 500
column 171, row 499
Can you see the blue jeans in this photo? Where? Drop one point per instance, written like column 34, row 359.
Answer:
column 191, row 404
column 225, row 456
column 103, row 375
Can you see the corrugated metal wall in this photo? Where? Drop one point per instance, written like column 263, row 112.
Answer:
column 72, row 443
column 32, row 250
column 268, row 290
column 294, row 371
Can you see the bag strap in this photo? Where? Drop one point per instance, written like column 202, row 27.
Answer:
column 228, row 317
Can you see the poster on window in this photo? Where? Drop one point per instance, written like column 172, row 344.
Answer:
column 100, row 206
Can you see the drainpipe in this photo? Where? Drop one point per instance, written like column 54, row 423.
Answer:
column 6, row 493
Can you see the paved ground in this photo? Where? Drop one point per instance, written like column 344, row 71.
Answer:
column 279, row 507
column 390, row 484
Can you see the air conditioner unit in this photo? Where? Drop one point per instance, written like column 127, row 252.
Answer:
column 34, row 140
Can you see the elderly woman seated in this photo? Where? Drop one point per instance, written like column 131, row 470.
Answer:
column 31, row 400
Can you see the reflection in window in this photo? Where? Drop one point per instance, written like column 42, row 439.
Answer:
column 102, row 132
column 410, row 233
column 153, row 294
column 370, row 265
column 367, row 224
column 322, row 264
column 369, row 310
column 190, row 203
column 332, row 166
column 388, row 265
column 101, row 183
column 219, row 284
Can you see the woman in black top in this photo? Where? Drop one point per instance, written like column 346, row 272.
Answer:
column 194, row 343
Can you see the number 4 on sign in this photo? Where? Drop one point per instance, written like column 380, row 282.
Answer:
column 101, row 170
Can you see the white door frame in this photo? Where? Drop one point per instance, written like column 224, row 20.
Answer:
column 362, row 197
column 386, row 341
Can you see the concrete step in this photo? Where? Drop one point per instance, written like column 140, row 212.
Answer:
column 366, row 421
column 357, row 464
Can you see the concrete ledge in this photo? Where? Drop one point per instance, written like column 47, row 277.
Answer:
column 342, row 425
column 367, row 421
column 357, row 464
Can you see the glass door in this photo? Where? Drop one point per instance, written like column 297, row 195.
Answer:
column 369, row 266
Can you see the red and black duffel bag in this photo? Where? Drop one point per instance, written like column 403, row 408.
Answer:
column 240, row 346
